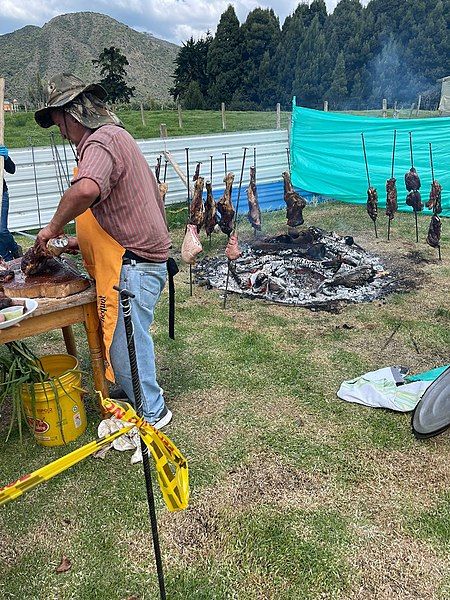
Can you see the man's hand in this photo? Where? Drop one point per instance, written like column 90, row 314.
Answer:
column 73, row 247
column 45, row 234
column 4, row 152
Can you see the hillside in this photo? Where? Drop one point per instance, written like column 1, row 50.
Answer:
column 70, row 42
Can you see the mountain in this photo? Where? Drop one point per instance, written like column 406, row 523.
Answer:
column 70, row 42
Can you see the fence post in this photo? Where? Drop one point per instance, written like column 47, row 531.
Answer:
column 142, row 114
column 224, row 124
column 384, row 108
column 163, row 131
column 325, row 105
column 180, row 117
column 419, row 101
column 278, row 115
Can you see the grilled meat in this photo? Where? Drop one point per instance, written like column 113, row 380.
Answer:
column 6, row 275
column 196, row 208
column 372, row 203
column 232, row 250
column 191, row 245
column 294, row 202
column 163, row 187
column 435, row 198
column 254, row 212
column 414, row 200
column 225, row 206
column 434, row 232
column 412, row 180
column 391, row 198
column 210, row 210
column 35, row 261
column 197, row 172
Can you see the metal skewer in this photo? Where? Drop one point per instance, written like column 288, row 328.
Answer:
column 36, row 184
column 412, row 166
column 392, row 176
column 234, row 226
column 125, row 296
column 288, row 153
column 368, row 176
column 189, row 209
column 225, row 162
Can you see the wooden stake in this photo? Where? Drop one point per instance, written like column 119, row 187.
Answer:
column 180, row 117
column 325, row 105
column 384, row 108
column 224, row 124
column 142, row 115
column 278, row 115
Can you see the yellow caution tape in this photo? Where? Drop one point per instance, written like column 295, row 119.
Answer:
column 171, row 466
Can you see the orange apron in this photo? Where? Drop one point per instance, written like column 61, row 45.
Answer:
column 102, row 257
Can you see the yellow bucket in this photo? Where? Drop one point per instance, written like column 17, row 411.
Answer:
column 57, row 415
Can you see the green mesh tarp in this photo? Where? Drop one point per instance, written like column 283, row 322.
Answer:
column 327, row 157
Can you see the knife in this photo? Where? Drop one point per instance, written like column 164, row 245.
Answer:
column 56, row 246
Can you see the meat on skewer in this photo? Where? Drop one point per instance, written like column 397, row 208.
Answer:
column 232, row 251
column 414, row 200
column 197, row 172
column 372, row 203
column 254, row 212
column 196, row 207
column 391, row 198
column 412, row 180
column 225, row 206
column 163, row 187
column 434, row 232
column 435, row 198
column 210, row 210
column 294, row 203
column 191, row 245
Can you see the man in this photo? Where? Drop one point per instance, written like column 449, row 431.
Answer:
column 120, row 224
column 9, row 248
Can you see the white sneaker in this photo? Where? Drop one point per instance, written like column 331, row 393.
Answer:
column 164, row 418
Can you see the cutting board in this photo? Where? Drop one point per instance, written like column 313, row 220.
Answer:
column 60, row 283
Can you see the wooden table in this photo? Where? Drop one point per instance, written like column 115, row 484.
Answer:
column 55, row 313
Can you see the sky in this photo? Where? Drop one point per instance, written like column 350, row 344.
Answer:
column 173, row 20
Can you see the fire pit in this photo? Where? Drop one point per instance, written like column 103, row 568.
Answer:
column 310, row 268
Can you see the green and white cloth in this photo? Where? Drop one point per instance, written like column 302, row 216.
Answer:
column 384, row 388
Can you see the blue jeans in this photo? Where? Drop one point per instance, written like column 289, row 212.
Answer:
column 146, row 281
column 5, row 211
column 8, row 245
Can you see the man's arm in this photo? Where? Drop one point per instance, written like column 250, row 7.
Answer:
column 78, row 198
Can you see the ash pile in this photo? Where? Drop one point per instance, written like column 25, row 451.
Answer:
column 314, row 269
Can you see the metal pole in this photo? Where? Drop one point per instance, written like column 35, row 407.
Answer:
column 36, row 184
column 234, row 227
column 125, row 296
column 189, row 208
column 225, row 161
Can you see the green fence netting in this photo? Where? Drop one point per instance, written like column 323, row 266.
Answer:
column 327, row 157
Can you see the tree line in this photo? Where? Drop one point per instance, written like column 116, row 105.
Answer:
column 352, row 57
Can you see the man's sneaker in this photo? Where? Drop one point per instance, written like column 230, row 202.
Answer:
column 164, row 418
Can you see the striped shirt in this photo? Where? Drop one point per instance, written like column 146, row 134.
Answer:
column 129, row 207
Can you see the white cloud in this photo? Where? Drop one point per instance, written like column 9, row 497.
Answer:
column 174, row 20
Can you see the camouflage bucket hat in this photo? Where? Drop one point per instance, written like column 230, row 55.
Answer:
column 64, row 88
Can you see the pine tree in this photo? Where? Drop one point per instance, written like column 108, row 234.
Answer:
column 310, row 67
column 193, row 98
column 112, row 63
column 337, row 93
column 224, row 59
column 260, row 35
column 191, row 62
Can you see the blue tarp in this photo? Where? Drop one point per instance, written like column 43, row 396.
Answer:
column 327, row 157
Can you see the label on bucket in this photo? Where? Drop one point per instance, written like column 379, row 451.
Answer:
column 37, row 425
column 77, row 420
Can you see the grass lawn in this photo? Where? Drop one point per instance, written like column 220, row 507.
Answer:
column 21, row 130
column 295, row 494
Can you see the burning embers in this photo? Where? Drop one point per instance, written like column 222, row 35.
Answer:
column 316, row 269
